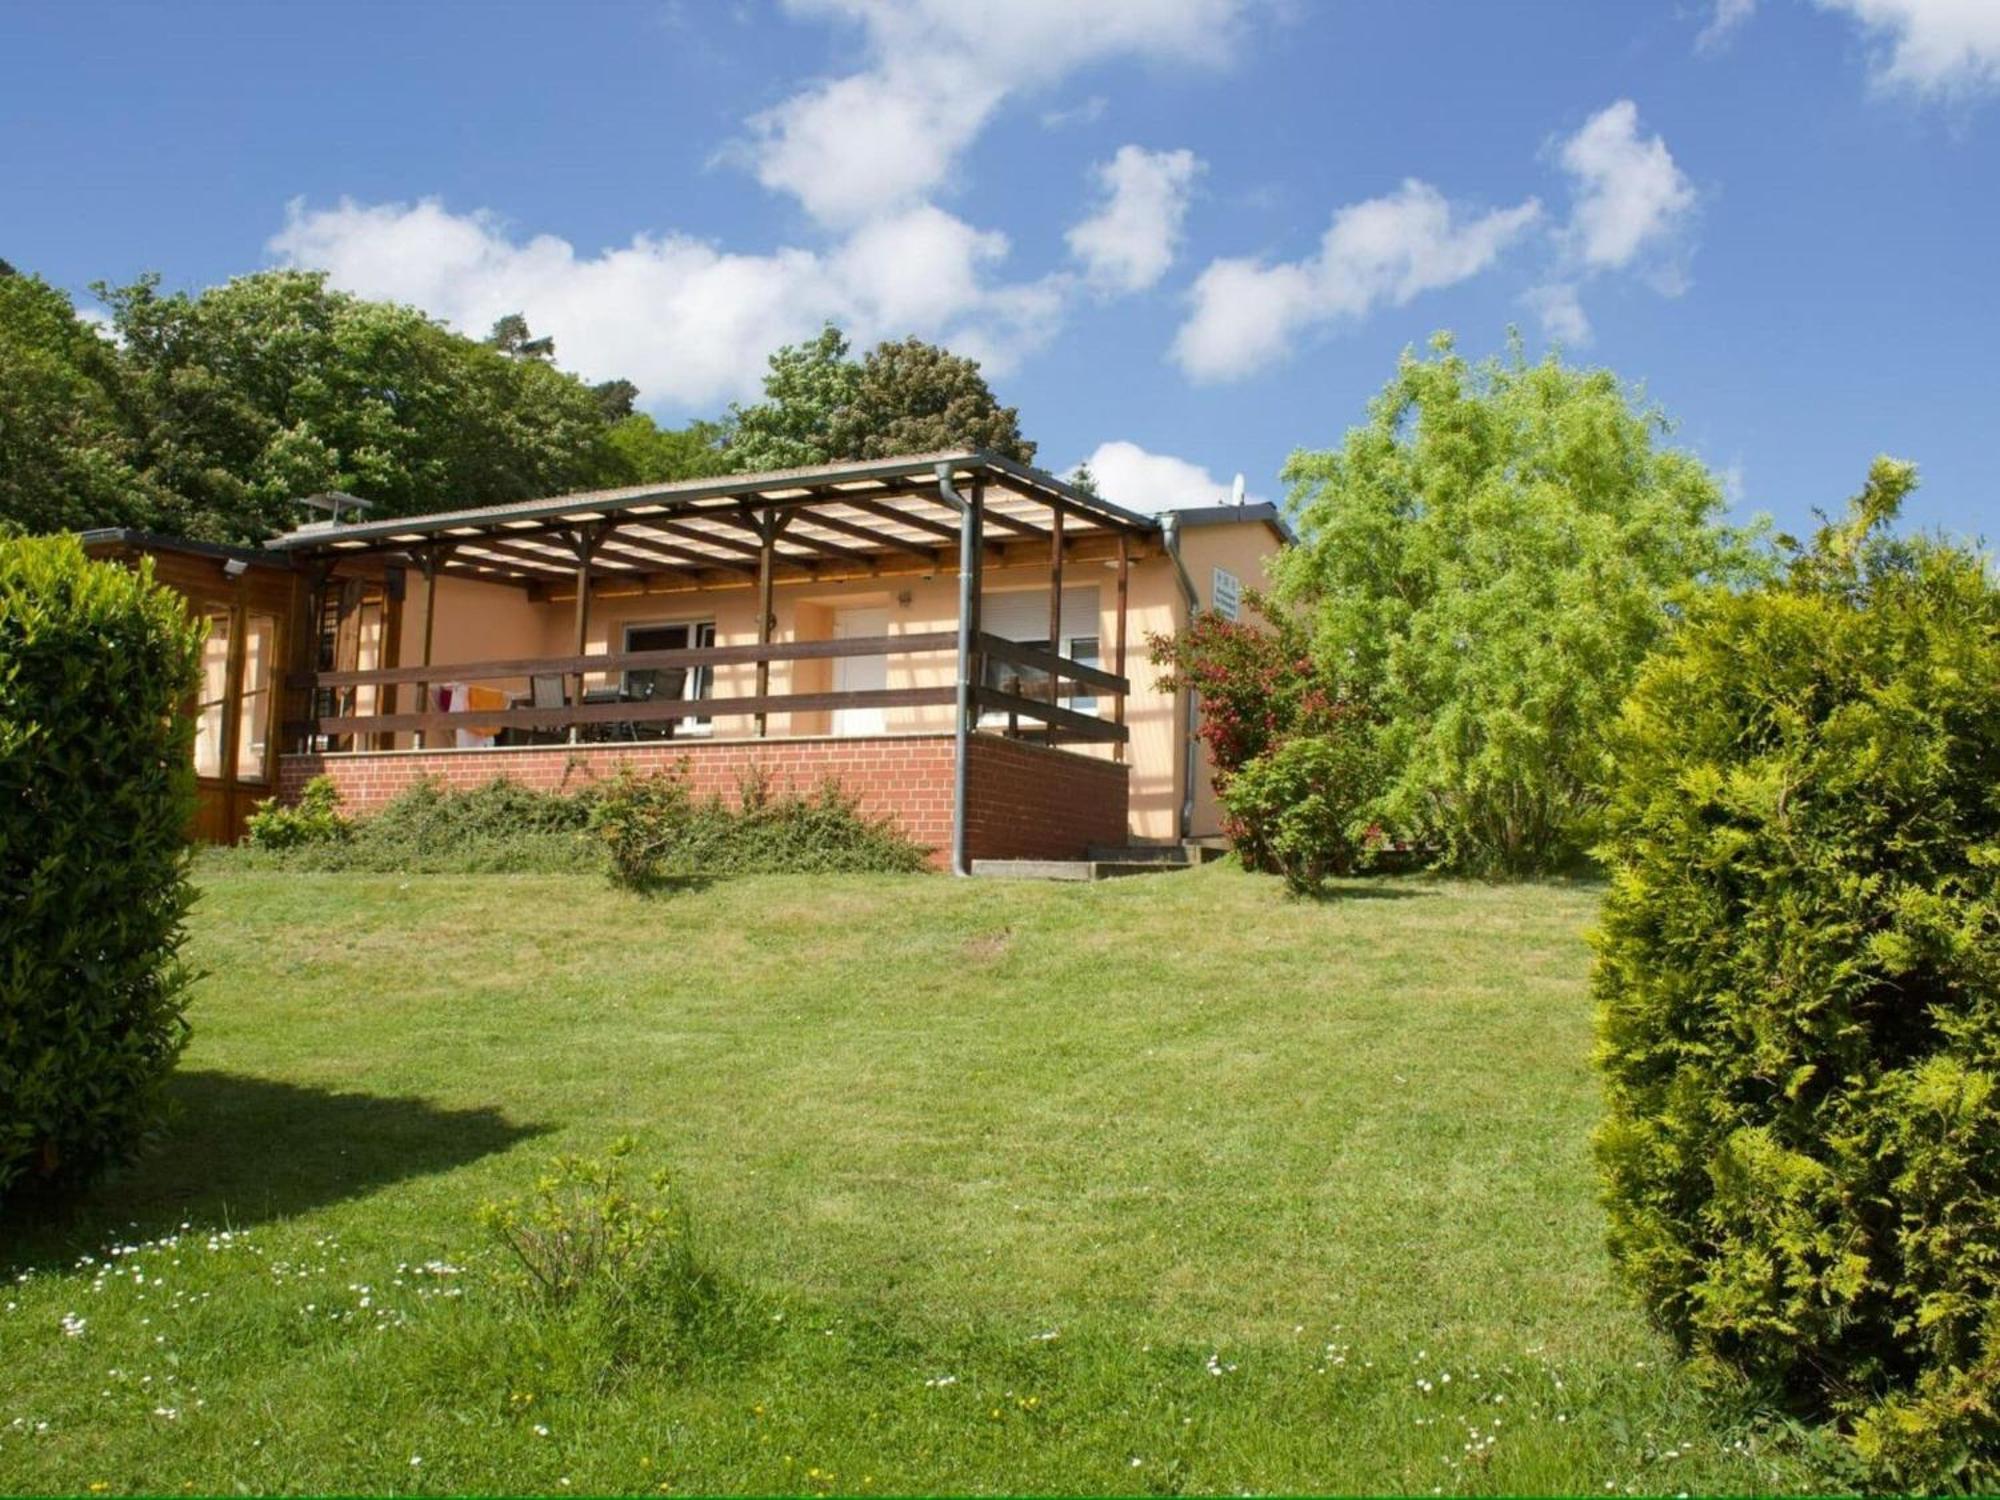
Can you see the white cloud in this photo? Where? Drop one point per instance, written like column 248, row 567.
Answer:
column 1384, row 250
column 1088, row 112
column 1630, row 196
column 1562, row 315
column 1723, row 24
column 856, row 146
column 689, row 323
column 1130, row 476
column 1942, row 47
column 1130, row 241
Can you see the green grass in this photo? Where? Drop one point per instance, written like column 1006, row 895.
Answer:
column 1163, row 1185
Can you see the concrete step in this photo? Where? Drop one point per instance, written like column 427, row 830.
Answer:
column 1193, row 852
column 1067, row 869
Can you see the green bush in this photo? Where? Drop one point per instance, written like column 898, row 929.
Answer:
column 501, row 827
column 655, row 830
column 1301, row 808
column 1798, row 976
column 97, row 667
column 314, row 819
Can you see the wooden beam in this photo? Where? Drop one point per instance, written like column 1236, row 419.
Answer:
column 769, row 524
column 862, row 533
column 1082, row 726
column 585, row 542
column 575, row 715
column 1055, row 603
column 674, row 559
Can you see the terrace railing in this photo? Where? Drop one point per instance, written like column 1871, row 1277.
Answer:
column 320, row 724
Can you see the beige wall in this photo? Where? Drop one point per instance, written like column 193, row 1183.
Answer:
column 1244, row 549
column 486, row 622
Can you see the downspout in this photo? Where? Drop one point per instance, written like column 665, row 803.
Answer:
column 1170, row 528
column 968, row 564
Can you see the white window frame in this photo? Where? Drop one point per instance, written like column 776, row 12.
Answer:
column 1076, row 697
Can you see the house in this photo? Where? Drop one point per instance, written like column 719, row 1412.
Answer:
column 959, row 639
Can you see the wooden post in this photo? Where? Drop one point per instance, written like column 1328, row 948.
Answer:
column 427, row 564
column 769, row 524
column 1118, row 647
column 1055, row 611
column 585, row 543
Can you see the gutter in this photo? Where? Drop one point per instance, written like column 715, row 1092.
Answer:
column 968, row 568
column 1170, row 535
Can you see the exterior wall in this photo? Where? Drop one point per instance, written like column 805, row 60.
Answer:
column 1025, row 801
column 1245, row 549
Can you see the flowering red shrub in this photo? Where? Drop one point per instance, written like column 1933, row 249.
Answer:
column 1259, row 688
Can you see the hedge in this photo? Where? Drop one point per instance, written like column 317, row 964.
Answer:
column 1799, row 984
column 97, row 668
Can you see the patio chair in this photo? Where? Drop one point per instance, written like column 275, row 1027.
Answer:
column 546, row 691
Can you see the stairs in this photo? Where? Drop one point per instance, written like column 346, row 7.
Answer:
column 1105, row 862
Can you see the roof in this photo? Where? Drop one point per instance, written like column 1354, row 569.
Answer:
column 1224, row 515
column 857, row 511
column 154, row 541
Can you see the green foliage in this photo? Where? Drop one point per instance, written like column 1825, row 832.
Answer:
column 793, row 426
column 499, row 828
column 640, row 451
column 583, row 1227
column 656, row 831
column 273, row 386
column 821, row 406
column 1301, row 808
column 1798, row 978
column 67, row 459
column 1486, row 563
column 314, row 819
column 1258, row 684
column 96, row 794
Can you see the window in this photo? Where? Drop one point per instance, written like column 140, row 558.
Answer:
column 683, row 635
column 212, row 706
column 253, row 703
column 1024, row 617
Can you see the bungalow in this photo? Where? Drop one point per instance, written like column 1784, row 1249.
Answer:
column 958, row 639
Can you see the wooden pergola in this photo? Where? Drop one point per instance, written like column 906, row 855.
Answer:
column 920, row 514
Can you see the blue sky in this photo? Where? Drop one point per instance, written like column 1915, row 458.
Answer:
column 1186, row 236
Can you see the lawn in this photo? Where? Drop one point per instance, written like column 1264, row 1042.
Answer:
column 1171, row 1184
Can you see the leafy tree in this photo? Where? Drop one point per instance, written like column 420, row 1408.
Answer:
column 510, row 336
column 913, row 397
column 821, row 406
column 807, row 385
column 640, row 451
column 67, row 455
column 615, row 398
column 274, row 386
column 1486, row 563
column 1081, row 478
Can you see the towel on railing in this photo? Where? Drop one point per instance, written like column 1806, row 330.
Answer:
column 458, row 698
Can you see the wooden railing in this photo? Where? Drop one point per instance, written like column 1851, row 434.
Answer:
column 316, row 730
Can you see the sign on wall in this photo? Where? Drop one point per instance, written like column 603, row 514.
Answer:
column 1225, row 594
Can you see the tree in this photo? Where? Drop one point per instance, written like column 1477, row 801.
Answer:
column 511, row 337
column 67, row 453
column 273, row 386
column 821, row 406
column 1081, row 478
column 1486, row 563
column 913, row 397
column 640, row 451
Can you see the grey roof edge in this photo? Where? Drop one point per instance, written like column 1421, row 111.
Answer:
column 159, row 541
column 729, row 486
column 1222, row 515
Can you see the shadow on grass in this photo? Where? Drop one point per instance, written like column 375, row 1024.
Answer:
column 239, row 1150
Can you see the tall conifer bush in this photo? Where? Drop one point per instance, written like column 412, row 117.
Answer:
column 1799, row 986
column 97, row 665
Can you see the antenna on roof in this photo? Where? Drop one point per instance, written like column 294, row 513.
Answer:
column 333, row 502
column 1236, row 491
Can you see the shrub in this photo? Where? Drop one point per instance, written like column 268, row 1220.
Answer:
column 97, row 667
column 1798, row 976
column 1258, row 685
column 655, row 830
column 315, row 819
column 1301, row 808
column 429, row 828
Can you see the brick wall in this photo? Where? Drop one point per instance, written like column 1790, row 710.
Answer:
column 1027, row 801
